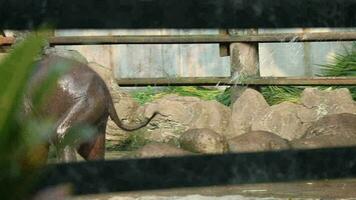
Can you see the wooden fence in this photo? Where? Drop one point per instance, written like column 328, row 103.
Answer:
column 243, row 50
column 124, row 175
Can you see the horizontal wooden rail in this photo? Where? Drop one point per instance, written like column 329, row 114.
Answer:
column 202, row 170
column 296, row 81
column 195, row 39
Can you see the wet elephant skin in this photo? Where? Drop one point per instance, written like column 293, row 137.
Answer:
column 79, row 96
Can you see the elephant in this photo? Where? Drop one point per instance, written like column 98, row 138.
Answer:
column 79, row 96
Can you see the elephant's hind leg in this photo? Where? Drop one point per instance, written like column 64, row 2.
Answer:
column 81, row 112
column 95, row 148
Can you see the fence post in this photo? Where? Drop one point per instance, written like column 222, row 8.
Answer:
column 244, row 61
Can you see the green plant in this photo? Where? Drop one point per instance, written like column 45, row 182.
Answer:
column 278, row 94
column 19, row 163
column 224, row 97
column 133, row 142
column 144, row 96
column 343, row 64
column 202, row 93
column 150, row 94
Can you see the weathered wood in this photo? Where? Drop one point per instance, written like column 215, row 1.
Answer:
column 196, row 39
column 224, row 48
column 202, row 170
column 295, row 81
column 244, row 61
column 186, row 39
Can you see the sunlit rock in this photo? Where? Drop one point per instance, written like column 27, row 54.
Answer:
column 246, row 108
column 203, row 141
column 256, row 141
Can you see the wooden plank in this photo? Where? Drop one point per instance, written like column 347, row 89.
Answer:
column 244, row 61
column 202, row 170
column 295, row 81
column 196, row 39
column 190, row 39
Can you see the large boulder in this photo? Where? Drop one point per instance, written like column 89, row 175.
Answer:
column 212, row 115
column 180, row 113
column 160, row 150
column 203, row 141
column 336, row 124
column 324, row 141
column 327, row 102
column 288, row 120
column 337, row 130
column 256, row 141
column 246, row 108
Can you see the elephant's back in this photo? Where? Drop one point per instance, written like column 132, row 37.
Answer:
column 76, row 81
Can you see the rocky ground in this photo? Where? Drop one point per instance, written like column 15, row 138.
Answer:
column 190, row 125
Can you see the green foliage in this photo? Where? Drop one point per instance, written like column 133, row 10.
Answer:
column 17, row 169
column 147, row 95
column 133, row 142
column 344, row 64
column 278, row 94
column 202, row 93
column 225, row 97
column 150, row 94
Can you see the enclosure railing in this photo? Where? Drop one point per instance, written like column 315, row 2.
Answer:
column 225, row 41
column 231, row 169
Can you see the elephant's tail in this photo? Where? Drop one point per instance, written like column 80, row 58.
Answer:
column 113, row 115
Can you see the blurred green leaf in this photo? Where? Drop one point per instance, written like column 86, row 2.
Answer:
column 16, row 173
column 14, row 74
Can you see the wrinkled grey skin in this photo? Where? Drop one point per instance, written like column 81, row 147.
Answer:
column 80, row 96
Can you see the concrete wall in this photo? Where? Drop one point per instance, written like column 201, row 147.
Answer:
column 185, row 60
column 276, row 59
column 297, row 59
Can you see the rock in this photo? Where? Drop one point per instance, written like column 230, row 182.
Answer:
column 245, row 109
column 288, row 120
column 126, row 108
column 326, row 102
column 337, row 124
column 324, row 141
column 160, row 150
column 212, row 115
column 70, row 54
column 256, row 141
column 203, row 141
column 181, row 113
column 336, row 130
